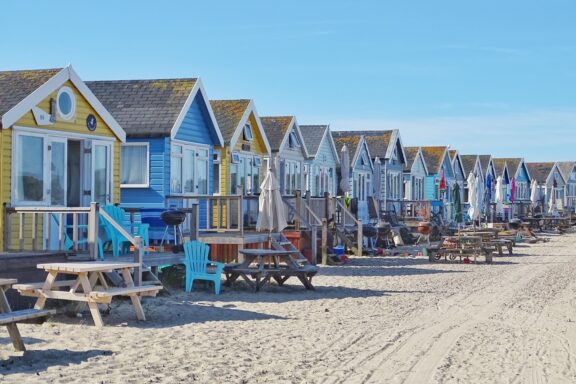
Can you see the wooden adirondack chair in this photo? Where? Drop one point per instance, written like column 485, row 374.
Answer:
column 196, row 261
column 114, row 237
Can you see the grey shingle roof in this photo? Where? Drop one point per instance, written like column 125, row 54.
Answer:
column 512, row 163
column 15, row 86
column 377, row 141
column 468, row 162
column 499, row 165
column 540, row 171
column 312, row 135
column 275, row 128
column 351, row 142
column 411, row 153
column 566, row 168
column 228, row 115
column 144, row 107
column 484, row 161
column 433, row 157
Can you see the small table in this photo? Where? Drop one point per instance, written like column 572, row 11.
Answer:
column 82, row 287
column 282, row 267
column 9, row 318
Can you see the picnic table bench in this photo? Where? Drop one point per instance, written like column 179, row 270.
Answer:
column 9, row 318
column 89, row 286
column 453, row 247
column 281, row 267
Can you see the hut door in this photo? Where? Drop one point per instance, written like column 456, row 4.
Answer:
column 101, row 172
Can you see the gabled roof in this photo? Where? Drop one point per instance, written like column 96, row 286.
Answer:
column 313, row 136
column 566, row 167
column 277, row 129
column 499, row 166
column 434, row 157
column 354, row 145
column 232, row 115
column 452, row 153
column 411, row 153
column 540, row 171
column 147, row 108
column 380, row 143
column 484, row 162
column 456, row 160
column 469, row 163
column 20, row 91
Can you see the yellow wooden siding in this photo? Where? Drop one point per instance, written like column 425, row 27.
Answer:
column 257, row 146
column 78, row 126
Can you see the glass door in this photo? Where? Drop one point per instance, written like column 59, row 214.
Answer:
column 58, row 172
column 101, row 172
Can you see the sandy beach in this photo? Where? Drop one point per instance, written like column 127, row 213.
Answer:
column 374, row 320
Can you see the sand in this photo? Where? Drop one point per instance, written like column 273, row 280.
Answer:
column 375, row 320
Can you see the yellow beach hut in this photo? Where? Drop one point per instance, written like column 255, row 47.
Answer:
column 60, row 147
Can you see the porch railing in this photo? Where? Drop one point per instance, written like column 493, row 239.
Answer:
column 32, row 229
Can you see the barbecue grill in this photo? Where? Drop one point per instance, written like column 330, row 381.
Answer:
column 173, row 219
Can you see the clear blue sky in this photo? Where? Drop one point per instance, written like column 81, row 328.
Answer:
column 486, row 76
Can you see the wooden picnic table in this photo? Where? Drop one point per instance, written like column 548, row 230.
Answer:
column 561, row 223
column 9, row 318
column 88, row 285
column 269, row 264
column 463, row 245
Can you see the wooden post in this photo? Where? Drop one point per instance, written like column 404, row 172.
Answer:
column 194, row 220
column 93, row 228
column 240, row 217
column 138, row 257
column 75, row 231
column 314, row 242
column 360, row 239
column 34, row 231
column 7, row 228
column 21, row 232
column 324, row 241
column 298, row 210
column 308, row 199
column 326, row 205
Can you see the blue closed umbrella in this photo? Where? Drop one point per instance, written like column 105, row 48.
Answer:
column 489, row 186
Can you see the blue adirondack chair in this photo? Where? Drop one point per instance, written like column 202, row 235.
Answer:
column 196, row 261
column 117, row 241
column 69, row 243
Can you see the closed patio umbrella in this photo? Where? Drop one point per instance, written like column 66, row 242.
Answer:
column 480, row 196
column 456, row 202
column 552, row 201
column 472, row 197
column 499, row 196
column 513, row 190
column 271, row 216
column 344, row 170
column 534, row 194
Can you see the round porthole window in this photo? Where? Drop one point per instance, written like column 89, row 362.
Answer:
column 66, row 103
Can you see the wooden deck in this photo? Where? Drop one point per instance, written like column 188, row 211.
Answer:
column 233, row 238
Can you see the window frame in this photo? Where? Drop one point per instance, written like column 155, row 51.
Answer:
column 70, row 115
column 247, row 133
column 147, row 174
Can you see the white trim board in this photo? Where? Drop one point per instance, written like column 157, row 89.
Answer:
column 42, row 92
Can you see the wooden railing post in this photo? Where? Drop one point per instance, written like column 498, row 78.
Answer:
column 314, row 243
column 298, row 210
column 326, row 205
column 240, row 216
column 7, row 228
column 194, row 222
column 93, row 228
column 138, row 257
column 308, row 200
column 324, row 241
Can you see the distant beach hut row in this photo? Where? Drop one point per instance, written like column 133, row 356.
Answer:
column 146, row 143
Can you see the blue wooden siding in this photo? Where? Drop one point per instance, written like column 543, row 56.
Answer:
column 324, row 158
column 430, row 187
column 197, row 126
column 523, row 175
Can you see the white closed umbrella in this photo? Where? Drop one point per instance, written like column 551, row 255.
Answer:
column 534, row 193
column 344, row 170
column 552, row 201
column 271, row 216
column 472, row 197
column 499, row 196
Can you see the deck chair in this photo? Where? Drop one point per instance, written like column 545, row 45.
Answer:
column 69, row 243
column 113, row 237
column 196, row 261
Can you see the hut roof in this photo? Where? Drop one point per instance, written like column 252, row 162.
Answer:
column 411, row 153
column 499, row 166
column 433, row 157
column 228, row 115
column 276, row 128
column 540, row 171
column 351, row 142
column 566, row 168
column 313, row 135
column 468, row 162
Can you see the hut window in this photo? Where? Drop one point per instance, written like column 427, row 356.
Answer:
column 66, row 103
column 135, row 163
column 30, row 169
column 248, row 133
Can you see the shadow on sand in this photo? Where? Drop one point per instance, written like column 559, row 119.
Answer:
column 37, row 361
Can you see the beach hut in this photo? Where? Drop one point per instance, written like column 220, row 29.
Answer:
column 549, row 178
column 246, row 150
column 459, row 174
column 568, row 169
column 439, row 166
column 323, row 162
column 361, row 171
column 415, row 173
column 288, row 152
column 517, row 169
column 171, row 134
column 60, row 145
column 487, row 167
column 470, row 164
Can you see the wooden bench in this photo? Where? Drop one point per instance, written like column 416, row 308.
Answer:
column 23, row 315
column 33, row 286
column 141, row 290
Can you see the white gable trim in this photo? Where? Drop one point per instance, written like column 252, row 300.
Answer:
column 250, row 109
column 293, row 125
column 198, row 88
column 394, row 139
column 420, row 156
column 42, row 92
column 362, row 144
column 328, row 133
